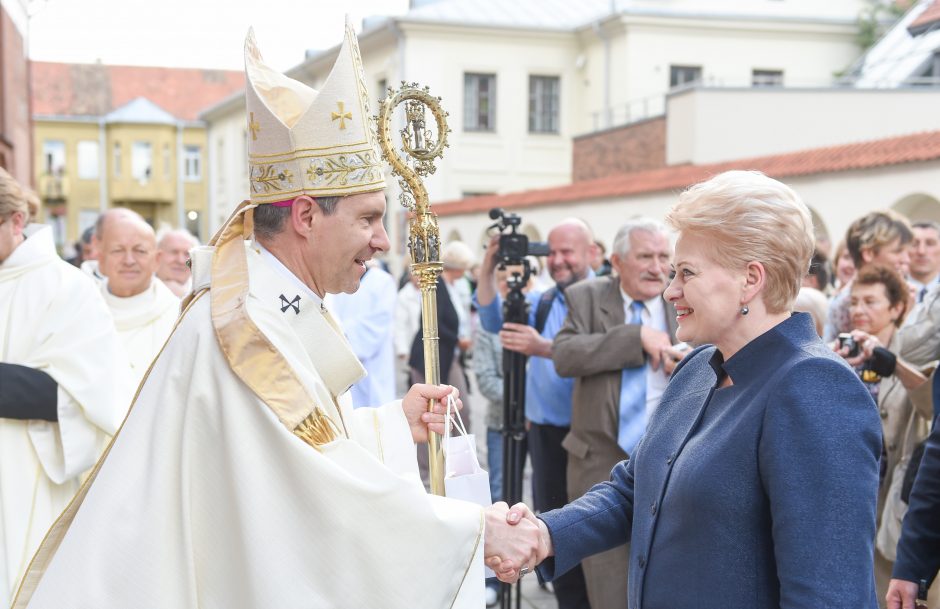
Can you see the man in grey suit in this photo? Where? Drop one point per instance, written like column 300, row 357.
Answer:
column 616, row 341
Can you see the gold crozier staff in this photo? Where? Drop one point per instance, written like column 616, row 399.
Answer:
column 421, row 148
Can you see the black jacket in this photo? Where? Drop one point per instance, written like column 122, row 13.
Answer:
column 919, row 547
column 448, row 325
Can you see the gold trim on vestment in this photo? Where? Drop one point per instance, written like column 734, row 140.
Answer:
column 378, row 435
column 249, row 353
column 317, row 429
column 476, row 545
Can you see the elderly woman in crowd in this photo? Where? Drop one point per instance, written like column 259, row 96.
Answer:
column 878, row 301
column 755, row 484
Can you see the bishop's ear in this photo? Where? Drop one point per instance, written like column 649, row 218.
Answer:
column 304, row 214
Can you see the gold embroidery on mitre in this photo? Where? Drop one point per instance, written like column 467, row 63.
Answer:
column 342, row 116
column 271, row 178
column 288, row 122
column 317, row 429
column 341, row 169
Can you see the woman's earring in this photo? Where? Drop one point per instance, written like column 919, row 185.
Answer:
column 745, row 310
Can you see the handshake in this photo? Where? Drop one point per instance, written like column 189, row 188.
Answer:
column 515, row 541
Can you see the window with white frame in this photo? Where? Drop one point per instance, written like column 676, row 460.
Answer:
column 766, row 78
column 684, row 75
column 544, row 94
column 53, row 155
column 479, row 102
column 141, row 161
column 88, row 160
column 192, row 162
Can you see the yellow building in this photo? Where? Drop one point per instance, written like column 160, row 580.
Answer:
column 91, row 154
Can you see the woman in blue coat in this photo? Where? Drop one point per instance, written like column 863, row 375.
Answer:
column 756, row 482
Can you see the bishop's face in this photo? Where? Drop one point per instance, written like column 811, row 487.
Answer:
column 343, row 241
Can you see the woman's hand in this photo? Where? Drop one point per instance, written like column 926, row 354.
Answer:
column 866, row 345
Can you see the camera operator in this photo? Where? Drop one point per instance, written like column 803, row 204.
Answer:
column 878, row 300
column 548, row 396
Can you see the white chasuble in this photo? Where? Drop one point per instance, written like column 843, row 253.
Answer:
column 143, row 322
column 206, row 499
column 53, row 319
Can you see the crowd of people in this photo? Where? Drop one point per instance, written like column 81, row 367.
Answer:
column 743, row 408
column 602, row 342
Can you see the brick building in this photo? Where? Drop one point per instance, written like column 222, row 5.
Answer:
column 15, row 140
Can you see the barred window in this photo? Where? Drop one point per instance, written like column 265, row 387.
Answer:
column 544, row 94
column 479, row 102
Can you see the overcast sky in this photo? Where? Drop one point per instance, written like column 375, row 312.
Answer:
column 192, row 33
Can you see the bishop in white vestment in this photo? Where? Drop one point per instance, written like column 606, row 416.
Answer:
column 242, row 477
column 63, row 385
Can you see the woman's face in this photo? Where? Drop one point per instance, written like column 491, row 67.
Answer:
column 871, row 309
column 706, row 295
column 893, row 255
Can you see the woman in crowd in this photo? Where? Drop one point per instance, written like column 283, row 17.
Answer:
column 878, row 238
column 758, row 472
column 842, row 267
column 878, row 301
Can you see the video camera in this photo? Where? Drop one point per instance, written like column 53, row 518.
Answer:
column 514, row 246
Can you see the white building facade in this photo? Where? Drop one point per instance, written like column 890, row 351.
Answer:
column 521, row 79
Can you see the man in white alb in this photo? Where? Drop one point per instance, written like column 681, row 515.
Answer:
column 63, row 385
column 173, row 246
column 242, row 477
column 144, row 309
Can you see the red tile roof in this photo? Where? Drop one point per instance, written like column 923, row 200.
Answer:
column 929, row 19
column 64, row 89
column 863, row 155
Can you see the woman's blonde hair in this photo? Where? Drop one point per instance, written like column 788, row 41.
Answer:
column 12, row 197
column 747, row 217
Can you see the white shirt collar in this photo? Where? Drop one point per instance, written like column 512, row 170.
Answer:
column 278, row 266
column 651, row 304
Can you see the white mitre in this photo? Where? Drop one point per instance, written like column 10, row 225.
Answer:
column 307, row 142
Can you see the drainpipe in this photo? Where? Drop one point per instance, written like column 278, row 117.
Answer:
column 102, row 167
column 599, row 31
column 208, row 173
column 180, row 165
